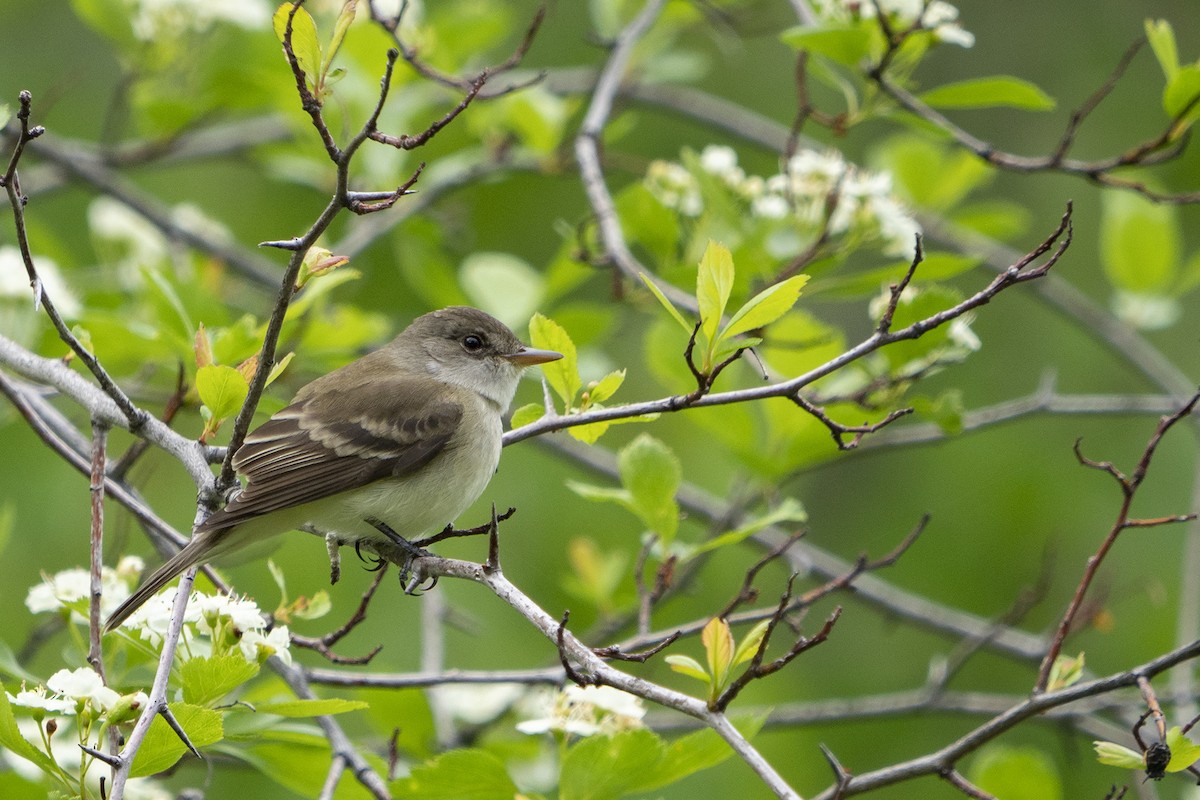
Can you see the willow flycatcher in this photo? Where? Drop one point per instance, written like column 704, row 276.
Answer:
column 408, row 435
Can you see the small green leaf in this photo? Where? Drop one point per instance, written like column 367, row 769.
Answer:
column 279, row 367
column 604, row 388
column 1140, row 243
column 1115, row 755
column 467, row 774
column 305, row 44
column 765, row 307
column 1162, row 41
column 339, row 33
column 601, row 493
column 844, row 44
column 222, row 388
column 563, row 374
column 1184, row 752
column 207, row 680
column 1065, row 671
column 162, row 747
column 714, row 282
column 748, row 646
column 688, row 666
column 662, row 298
column 311, row 708
column 651, row 473
column 699, row 750
column 790, row 510
column 994, row 92
column 718, row 649
column 526, row 415
column 1181, row 92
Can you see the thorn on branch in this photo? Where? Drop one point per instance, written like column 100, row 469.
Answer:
column 561, row 640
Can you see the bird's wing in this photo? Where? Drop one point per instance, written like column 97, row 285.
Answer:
column 332, row 442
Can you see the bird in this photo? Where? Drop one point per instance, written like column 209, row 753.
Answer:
column 408, row 435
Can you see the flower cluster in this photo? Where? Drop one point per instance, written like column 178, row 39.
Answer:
column 815, row 190
column 938, row 17
column 585, row 711
column 64, row 590
column 154, row 20
column 213, row 624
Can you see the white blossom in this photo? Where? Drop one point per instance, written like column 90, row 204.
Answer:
column 14, row 281
column 1150, row 312
column 83, row 685
column 476, row 704
column 37, row 698
column 241, row 611
column 938, row 16
column 152, row 620
column 585, row 711
column 64, row 588
column 156, row 20
column 254, row 644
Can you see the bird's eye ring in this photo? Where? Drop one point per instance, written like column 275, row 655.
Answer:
column 472, row 342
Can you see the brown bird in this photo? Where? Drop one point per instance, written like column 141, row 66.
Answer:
column 408, row 435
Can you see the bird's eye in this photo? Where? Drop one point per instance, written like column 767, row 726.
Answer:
column 472, row 342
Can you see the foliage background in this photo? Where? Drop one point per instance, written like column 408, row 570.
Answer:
column 1006, row 502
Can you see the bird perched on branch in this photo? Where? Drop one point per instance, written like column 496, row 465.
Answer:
column 408, row 435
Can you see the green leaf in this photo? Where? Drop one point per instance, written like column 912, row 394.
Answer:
column 606, row 387
column 468, row 774
column 526, row 415
column 662, row 298
column 1184, row 752
column 993, row 92
column 765, row 307
column 162, row 747
column 714, row 282
column 699, row 750
column 1115, row 755
column 304, row 39
column 748, row 646
column 222, row 388
column 14, row 742
column 790, row 510
column 1181, row 91
column 1017, row 773
column 1162, row 41
column 844, row 44
column 311, row 708
column 1065, row 671
column 609, row 767
column 279, row 367
column 1140, row 243
column 652, row 473
column 562, row 375
column 601, row 493
column 339, row 32
column 718, row 649
column 207, row 680
column 688, row 666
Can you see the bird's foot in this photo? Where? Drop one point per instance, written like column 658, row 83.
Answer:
column 410, row 579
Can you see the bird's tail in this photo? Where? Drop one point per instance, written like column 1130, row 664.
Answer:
column 196, row 551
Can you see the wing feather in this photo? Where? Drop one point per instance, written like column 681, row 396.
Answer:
column 326, row 443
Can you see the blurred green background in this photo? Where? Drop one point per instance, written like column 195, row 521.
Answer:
column 1008, row 503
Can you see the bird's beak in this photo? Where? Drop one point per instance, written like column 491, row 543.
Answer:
column 528, row 356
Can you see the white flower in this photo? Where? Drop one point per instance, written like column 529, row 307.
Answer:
column 938, row 16
column 674, row 187
column 155, row 20
column 586, row 711
column 243, row 612
column 14, row 281
column 961, row 334
column 72, row 585
column 152, row 620
column 254, row 644
column 770, row 206
column 125, row 239
column 476, row 704
column 1150, row 312
column 36, row 698
column 83, row 684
